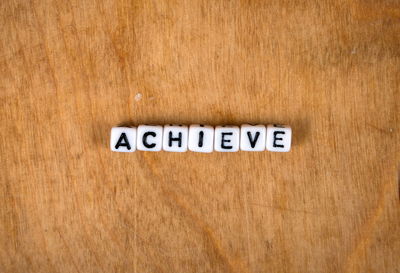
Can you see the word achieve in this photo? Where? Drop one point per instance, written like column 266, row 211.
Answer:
column 201, row 138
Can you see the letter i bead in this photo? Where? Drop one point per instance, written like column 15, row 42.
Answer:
column 201, row 138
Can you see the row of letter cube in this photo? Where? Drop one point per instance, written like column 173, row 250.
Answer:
column 201, row 138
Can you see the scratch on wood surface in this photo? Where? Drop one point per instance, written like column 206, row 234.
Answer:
column 382, row 130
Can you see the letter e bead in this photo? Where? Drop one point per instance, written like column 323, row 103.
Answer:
column 226, row 138
column 279, row 138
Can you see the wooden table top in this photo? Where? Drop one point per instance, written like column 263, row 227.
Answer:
column 71, row 70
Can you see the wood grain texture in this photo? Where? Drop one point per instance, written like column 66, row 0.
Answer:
column 70, row 70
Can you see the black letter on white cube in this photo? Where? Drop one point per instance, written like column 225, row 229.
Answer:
column 149, row 138
column 227, row 138
column 252, row 138
column 279, row 138
column 201, row 138
column 175, row 138
column 123, row 139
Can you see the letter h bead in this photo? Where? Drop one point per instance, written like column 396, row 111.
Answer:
column 175, row 138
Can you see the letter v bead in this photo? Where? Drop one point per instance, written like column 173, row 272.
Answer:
column 252, row 138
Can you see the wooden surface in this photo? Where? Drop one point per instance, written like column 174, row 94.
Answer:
column 70, row 70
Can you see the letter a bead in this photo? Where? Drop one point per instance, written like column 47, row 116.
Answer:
column 123, row 139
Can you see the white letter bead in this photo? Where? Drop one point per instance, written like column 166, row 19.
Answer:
column 252, row 138
column 149, row 138
column 123, row 139
column 226, row 138
column 279, row 138
column 175, row 138
column 201, row 138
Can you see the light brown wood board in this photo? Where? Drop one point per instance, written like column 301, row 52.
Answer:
column 71, row 70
